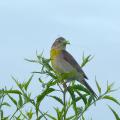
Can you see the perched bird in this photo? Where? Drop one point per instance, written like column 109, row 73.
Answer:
column 63, row 62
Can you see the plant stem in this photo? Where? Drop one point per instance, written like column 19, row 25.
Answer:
column 13, row 114
column 64, row 100
column 34, row 104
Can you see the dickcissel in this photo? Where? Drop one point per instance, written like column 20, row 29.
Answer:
column 63, row 62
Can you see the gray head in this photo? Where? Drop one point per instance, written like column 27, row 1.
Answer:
column 60, row 43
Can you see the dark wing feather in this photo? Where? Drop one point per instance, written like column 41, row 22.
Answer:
column 69, row 58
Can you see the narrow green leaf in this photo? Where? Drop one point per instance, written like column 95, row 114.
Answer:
column 51, row 83
column 5, row 104
column 1, row 113
column 83, row 56
column 89, row 101
column 45, row 63
column 86, row 60
column 28, row 82
column 112, row 99
column 39, row 56
column 30, row 114
column 57, row 99
column 115, row 113
column 109, row 87
column 71, row 92
column 27, row 97
column 50, row 116
column 18, row 117
column 83, row 97
column 42, row 115
column 76, row 100
column 17, row 83
column 81, row 88
column 5, row 118
column 59, row 114
column 71, row 117
column 51, row 74
column 33, row 61
column 20, row 101
column 13, row 100
column 43, row 94
column 11, row 91
column 98, row 86
column 83, row 118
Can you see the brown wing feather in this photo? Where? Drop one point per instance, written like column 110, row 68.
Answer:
column 69, row 58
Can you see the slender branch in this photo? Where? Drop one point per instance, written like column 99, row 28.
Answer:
column 33, row 103
column 60, row 87
column 13, row 114
column 18, row 109
column 64, row 99
column 23, row 114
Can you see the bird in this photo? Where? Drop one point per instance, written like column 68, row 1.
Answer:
column 63, row 62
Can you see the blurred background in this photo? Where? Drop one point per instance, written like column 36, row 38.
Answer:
column 91, row 26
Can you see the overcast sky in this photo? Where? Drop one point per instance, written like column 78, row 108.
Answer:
column 91, row 26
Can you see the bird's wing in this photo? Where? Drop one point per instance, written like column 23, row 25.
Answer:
column 69, row 58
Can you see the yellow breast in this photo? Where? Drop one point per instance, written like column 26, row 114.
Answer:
column 54, row 53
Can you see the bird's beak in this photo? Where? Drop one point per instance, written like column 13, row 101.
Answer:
column 66, row 42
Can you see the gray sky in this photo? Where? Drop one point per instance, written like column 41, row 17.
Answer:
column 92, row 26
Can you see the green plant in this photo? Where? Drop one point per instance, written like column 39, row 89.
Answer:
column 68, row 98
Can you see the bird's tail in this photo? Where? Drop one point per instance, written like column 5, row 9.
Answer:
column 88, row 87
